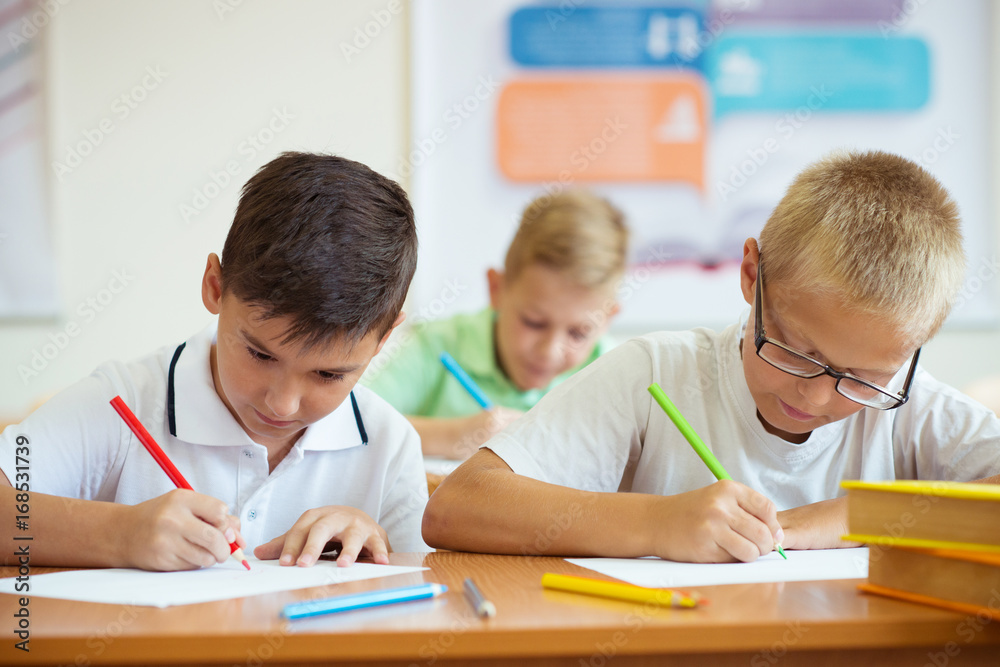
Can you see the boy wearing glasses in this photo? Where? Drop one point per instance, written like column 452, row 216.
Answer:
column 855, row 269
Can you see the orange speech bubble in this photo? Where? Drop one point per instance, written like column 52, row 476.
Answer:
column 603, row 129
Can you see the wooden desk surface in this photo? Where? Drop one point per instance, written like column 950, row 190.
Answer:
column 759, row 625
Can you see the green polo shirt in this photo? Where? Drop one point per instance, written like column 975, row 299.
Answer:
column 412, row 378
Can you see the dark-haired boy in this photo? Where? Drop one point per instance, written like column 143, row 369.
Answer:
column 259, row 411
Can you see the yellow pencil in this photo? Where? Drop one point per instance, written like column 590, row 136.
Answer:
column 609, row 589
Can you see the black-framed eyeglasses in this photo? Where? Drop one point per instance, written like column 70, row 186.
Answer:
column 801, row 365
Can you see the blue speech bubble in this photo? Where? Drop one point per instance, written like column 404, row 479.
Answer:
column 607, row 37
column 780, row 72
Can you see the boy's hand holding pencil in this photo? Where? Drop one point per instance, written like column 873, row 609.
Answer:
column 179, row 530
column 733, row 517
column 722, row 522
column 185, row 526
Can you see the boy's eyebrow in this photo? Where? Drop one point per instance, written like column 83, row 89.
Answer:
column 349, row 368
column 822, row 357
column 253, row 341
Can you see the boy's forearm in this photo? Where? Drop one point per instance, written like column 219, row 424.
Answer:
column 493, row 510
column 439, row 436
column 63, row 531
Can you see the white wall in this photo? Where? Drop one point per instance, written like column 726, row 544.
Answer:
column 223, row 78
column 962, row 357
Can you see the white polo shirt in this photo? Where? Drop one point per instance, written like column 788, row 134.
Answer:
column 602, row 431
column 364, row 454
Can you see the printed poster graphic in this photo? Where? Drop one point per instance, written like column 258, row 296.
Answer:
column 693, row 117
column 596, row 130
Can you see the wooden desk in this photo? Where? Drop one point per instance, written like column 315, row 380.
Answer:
column 761, row 625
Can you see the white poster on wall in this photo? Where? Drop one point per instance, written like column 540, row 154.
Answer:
column 27, row 266
column 693, row 118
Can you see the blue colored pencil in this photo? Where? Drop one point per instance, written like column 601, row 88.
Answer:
column 463, row 378
column 361, row 600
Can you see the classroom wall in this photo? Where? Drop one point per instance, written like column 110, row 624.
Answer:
column 227, row 82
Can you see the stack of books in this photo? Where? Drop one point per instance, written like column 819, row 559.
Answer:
column 937, row 543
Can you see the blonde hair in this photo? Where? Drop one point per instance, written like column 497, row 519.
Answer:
column 875, row 230
column 574, row 232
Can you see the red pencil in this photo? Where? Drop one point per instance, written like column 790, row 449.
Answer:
column 168, row 466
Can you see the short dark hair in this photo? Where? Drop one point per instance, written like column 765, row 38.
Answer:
column 325, row 241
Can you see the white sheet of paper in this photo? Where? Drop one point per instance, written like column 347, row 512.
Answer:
column 220, row 582
column 800, row 566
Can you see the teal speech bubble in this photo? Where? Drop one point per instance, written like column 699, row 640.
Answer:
column 781, row 72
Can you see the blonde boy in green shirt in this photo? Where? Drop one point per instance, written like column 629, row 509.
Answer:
column 549, row 308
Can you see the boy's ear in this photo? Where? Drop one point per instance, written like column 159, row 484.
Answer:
column 211, row 285
column 399, row 320
column 495, row 280
column 748, row 269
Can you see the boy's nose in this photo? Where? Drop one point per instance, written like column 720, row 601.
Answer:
column 818, row 390
column 552, row 349
column 282, row 400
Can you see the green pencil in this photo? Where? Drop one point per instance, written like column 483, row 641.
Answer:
column 699, row 446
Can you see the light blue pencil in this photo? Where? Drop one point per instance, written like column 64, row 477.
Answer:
column 470, row 386
column 361, row 600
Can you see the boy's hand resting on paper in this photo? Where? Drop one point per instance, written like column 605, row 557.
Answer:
column 180, row 530
column 302, row 545
column 816, row 526
column 723, row 522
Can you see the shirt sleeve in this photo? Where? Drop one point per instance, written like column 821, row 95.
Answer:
column 587, row 433
column 75, row 441
column 945, row 435
column 405, row 372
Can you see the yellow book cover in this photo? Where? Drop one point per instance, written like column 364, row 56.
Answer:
column 960, row 515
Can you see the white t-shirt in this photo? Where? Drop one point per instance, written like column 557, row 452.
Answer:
column 80, row 448
column 601, row 430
